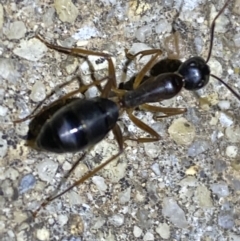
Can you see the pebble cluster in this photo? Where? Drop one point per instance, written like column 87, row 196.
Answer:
column 183, row 187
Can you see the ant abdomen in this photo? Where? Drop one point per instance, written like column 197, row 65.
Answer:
column 78, row 125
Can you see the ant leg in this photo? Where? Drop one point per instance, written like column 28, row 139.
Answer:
column 41, row 102
column 144, row 127
column 119, row 138
column 167, row 111
column 85, row 52
column 62, row 99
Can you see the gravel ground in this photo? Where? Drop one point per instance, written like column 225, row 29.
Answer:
column 183, row 187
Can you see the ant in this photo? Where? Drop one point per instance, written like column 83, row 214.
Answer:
column 74, row 124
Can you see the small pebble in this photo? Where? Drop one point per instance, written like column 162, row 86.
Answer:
column 163, row 26
column 85, row 33
column 66, row 10
column 236, row 7
column 3, row 110
column 66, row 166
column 38, row 92
column 226, row 219
column 189, row 181
column 3, row 146
column 9, row 69
column 156, row 169
column 26, row 183
column 163, row 230
column 221, row 189
column 151, row 150
column 116, row 220
column 43, row 234
column 124, row 196
column 137, row 232
column 16, row 30
column 224, row 104
column 203, row 196
column 1, row 16
column 198, row 147
column 233, row 133
column 7, row 189
column 225, row 119
column 175, row 214
column 32, row 49
column 182, row 131
column 231, row 151
column 98, row 223
column 46, row 170
column 148, row 236
column 91, row 92
column 62, row 219
column 143, row 32
column 100, row 183
column 12, row 174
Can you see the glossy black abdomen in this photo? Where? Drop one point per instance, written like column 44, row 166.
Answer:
column 78, row 125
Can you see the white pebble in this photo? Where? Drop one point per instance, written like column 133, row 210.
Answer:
column 3, row 146
column 224, row 104
column 91, row 92
column 47, row 170
column 175, row 214
column 124, row 196
column 156, row 169
column 236, row 40
column 231, row 151
column 3, row 110
column 66, row 166
column 148, row 237
column 32, row 49
column 163, row 230
column 143, row 32
column 116, row 220
column 151, row 150
column 38, row 92
column 137, row 232
column 163, row 26
column 62, row 219
column 43, row 234
column 100, row 183
column 225, row 119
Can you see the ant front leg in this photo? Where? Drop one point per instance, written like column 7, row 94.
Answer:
column 140, row 76
column 144, row 127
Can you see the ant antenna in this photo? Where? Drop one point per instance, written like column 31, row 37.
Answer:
column 212, row 30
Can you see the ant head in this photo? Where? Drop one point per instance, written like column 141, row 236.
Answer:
column 195, row 73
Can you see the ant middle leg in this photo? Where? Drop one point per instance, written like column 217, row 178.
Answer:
column 144, row 127
column 167, row 112
column 60, row 100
